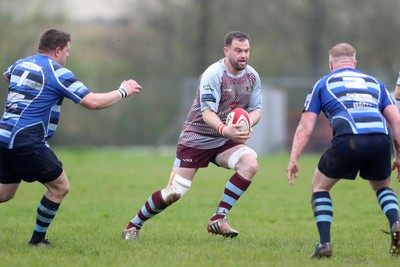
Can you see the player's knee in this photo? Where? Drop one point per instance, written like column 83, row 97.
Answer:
column 245, row 159
column 58, row 192
column 59, row 188
column 252, row 166
column 7, row 192
column 176, row 188
column 248, row 165
column 64, row 190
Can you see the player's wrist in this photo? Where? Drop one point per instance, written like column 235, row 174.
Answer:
column 122, row 92
column 220, row 128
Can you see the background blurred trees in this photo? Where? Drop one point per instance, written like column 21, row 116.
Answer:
column 161, row 43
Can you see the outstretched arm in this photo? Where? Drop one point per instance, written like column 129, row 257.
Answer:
column 105, row 100
column 300, row 140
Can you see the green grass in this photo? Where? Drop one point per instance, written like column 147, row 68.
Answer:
column 274, row 219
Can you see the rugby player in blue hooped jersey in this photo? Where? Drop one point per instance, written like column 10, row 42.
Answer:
column 37, row 86
column 227, row 84
column 358, row 107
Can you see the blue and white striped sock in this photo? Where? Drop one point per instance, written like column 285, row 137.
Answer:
column 323, row 213
column 389, row 204
column 46, row 212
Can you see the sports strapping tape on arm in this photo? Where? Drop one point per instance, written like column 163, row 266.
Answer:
column 234, row 158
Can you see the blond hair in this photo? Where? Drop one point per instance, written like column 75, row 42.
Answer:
column 342, row 50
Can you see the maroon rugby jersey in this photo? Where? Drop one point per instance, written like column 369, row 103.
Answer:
column 221, row 92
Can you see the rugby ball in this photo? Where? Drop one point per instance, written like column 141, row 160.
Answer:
column 239, row 116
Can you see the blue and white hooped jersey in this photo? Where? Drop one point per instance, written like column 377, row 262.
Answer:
column 36, row 91
column 352, row 101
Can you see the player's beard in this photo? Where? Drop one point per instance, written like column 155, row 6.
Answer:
column 238, row 65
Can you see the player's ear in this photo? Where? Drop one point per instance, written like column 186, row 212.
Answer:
column 57, row 51
column 226, row 51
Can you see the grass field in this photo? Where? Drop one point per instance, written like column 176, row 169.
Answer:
column 274, row 219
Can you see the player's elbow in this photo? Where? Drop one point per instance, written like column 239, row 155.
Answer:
column 90, row 101
column 91, row 105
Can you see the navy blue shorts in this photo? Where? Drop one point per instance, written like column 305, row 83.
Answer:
column 189, row 157
column 33, row 163
column 368, row 154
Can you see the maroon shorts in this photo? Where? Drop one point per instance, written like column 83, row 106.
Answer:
column 189, row 157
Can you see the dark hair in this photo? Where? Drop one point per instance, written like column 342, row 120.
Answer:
column 230, row 36
column 53, row 38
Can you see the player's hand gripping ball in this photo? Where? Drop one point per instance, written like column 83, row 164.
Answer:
column 239, row 116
